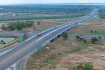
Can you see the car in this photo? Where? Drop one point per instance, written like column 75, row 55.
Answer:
column 81, row 35
column 56, row 26
column 38, row 34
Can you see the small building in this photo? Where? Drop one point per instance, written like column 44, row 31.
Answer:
column 5, row 24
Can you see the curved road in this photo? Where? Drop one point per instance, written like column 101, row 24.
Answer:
column 28, row 47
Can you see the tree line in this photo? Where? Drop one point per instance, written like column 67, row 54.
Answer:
column 17, row 25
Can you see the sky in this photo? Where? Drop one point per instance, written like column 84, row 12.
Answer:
column 49, row 1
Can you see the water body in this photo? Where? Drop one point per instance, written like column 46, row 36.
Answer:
column 6, row 40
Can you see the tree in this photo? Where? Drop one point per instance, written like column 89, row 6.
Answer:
column 85, row 41
column 38, row 23
column 94, row 39
column 85, row 66
column 81, row 38
column 4, row 28
column 95, row 31
column 80, row 66
column 11, row 27
column 2, row 42
column 99, row 37
column 19, row 27
column 77, row 37
column 65, row 35
column 91, row 31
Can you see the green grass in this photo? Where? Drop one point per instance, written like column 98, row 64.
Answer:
column 77, row 49
column 41, row 17
column 51, row 59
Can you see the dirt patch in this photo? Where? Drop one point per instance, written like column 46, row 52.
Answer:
column 74, row 44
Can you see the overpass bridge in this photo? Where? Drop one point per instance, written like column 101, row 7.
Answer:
column 29, row 46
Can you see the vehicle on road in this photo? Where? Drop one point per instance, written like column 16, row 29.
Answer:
column 39, row 34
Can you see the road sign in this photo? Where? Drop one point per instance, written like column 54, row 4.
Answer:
column 20, row 39
column 39, row 47
column 11, row 68
column 60, row 23
column 3, row 32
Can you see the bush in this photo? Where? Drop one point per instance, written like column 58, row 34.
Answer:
column 95, row 31
column 94, row 39
column 38, row 23
column 77, row 37
column 85, row 41
column 65, row 35
column 19, row 25
column 85, row 66
column 99, row 37
column 81, row 39
column 91, row 31
column 2, row 42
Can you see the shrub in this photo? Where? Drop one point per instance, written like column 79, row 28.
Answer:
column 65, row 35
column 85, row 66
column 77, row 37
column 94, row 39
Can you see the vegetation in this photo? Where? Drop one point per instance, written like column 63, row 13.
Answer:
column 85, row 66
column 2, row 42
column 29, row 12
column 94, row 39
column 18, row 25
column 45, row 9
column 81, row 38
column 77, row 37
column 65, row 35
column 102, row 14
column 41, row 17
column 99, row 37
column 85, row 41
column 38, row 23
column 91, row 31
column 3, row 27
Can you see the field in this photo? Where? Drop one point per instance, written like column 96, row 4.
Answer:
column 34, row 12
column 45, row 24
column 31, row 17
column 92, row 25
column 67, row 54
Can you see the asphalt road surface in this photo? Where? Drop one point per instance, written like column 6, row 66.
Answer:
column 17, row 33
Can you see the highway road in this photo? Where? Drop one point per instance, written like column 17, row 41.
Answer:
column 29, row 46
column 17, row 33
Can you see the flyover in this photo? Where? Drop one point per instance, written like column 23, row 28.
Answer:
column 29, row 46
